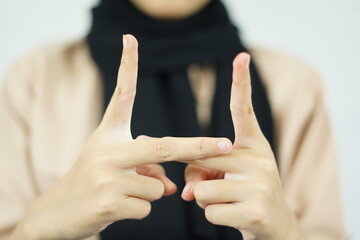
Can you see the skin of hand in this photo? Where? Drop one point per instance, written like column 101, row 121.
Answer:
column 115, row 177
column 243, row 189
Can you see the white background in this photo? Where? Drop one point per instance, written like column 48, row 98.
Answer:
column 324, row 33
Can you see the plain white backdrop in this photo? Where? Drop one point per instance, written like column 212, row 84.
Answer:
column 324, row 33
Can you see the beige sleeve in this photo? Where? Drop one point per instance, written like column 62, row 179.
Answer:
column 310, row 180
column 17, row 186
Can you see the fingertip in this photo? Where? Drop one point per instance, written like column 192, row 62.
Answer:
column 188, row 197
column 170, row 186
column 242, row 60
column 188, row 193
column 170, row 189
column 224, row 145
column 129, row 41
column 187, row 187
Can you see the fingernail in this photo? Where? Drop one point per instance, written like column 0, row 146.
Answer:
column 224, row 145
column 125, row 41
column 187, row 188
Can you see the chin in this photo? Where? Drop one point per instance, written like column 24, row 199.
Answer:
column 170, row 9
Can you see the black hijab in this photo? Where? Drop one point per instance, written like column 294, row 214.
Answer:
column 165, row 105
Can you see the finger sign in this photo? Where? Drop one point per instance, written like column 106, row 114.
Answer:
column 118, row 113
column 167, row 149
column 247, row 130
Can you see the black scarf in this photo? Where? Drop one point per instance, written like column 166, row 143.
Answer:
column 165, row 105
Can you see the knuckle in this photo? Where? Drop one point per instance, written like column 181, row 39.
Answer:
column 102, row 185
column 123, row 94
column 258, row 217
column 241, row 109
column 264, row 190
column 201, row 147
column 124, row 62
column 118, row 92
column 269, row 168
column 164, row 149
column 246, row 110
column 105, row 207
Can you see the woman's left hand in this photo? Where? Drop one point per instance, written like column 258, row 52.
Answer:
column 243, row 189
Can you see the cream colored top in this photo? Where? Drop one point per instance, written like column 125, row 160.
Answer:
column 51, row 100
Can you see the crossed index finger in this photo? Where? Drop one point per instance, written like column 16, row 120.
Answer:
column 158, row 150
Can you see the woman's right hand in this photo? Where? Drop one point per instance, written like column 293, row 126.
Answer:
column 114, row 177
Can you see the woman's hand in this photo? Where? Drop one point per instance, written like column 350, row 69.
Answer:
column 243, row 189
column 114, row 177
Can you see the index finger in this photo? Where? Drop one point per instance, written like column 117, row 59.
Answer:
column 119, row 111
column 247, row 130
column 167, row 149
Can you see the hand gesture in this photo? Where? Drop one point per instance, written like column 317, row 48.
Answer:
column 115, row 177
column 242, row 189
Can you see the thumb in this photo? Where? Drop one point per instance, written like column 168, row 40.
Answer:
column 193, row 174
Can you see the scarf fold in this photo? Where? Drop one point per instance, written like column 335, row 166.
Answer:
column 164, row 103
